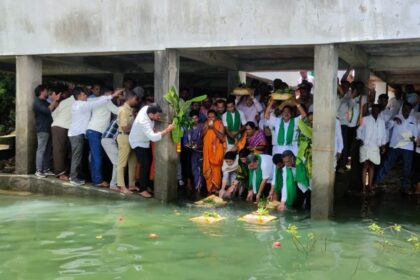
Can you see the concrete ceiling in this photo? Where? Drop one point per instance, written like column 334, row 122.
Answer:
column 396, row 63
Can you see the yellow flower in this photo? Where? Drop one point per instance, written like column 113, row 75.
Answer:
column 311, row 236
column 413, row 239
column 396, row 227
column 375, row 228
column 292, row 229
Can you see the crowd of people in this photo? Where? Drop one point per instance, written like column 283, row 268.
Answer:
column 247, row 146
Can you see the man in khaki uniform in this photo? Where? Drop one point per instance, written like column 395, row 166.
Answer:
column 126, row 155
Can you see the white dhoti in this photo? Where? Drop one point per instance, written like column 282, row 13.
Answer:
column 371, row 153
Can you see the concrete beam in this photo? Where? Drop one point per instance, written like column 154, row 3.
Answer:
column 323, row 147
column 394, row 63
column 53, row 68
column 381, row 75
column 404, row 79
column 28, row 76
column 166, row 76
column 354, row 55
column 212, row 58
column 276, row 64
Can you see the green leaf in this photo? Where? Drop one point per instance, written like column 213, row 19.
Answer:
column 305, row 128
column 188, row 103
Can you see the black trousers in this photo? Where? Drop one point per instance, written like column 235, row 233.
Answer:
column 144, row 158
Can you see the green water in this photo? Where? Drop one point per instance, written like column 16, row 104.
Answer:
column 45, row 237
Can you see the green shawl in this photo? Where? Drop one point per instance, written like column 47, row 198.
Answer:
column 278, row 184
column 290, row 132
column 233, row 125
column 305, row 145
column 290, row 188
column 302, row 175
column 258, row 174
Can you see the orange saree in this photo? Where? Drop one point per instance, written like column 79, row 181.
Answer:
column 213, row 152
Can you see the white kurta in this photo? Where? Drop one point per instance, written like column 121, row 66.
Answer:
column 374, row 135
column 266, row 169
column 401, row 133
column 274, row 124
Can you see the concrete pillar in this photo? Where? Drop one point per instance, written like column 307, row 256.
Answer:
column 363, row 75
column 166, row 75
column 28, row 76
column 323, row 147
column 117, row 80
column 233, row 81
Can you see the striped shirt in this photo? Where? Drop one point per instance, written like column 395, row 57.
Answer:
column 111, row 131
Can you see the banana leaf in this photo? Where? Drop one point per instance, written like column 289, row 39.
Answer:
column 180, row 107
column 305, row 145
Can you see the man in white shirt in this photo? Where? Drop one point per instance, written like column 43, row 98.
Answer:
column 355, row 102
column 372, row 135
column 234, row 122
column 339, row 144
column 417, row 160
column 80, row 113
column 284, row 129
column 395, row 103
column 404, row 132
column 304, row 76
column 142, row 132
column 295, row 189
column 59, row 130
column 260, row 173
column 98, row 123
column 251, row 108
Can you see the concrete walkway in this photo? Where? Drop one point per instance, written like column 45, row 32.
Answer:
column 53, row 186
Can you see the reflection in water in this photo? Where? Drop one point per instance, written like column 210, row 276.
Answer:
column 56, row 238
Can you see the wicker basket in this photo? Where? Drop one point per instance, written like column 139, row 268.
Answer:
column 241, row 91
column 281, row 96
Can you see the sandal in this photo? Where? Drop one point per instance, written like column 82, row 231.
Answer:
column 124, row 190
column 102, row 185
column 133, row 189
column 64, row 178
column 145, row 194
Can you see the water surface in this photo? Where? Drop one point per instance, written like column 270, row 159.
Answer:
column 47, row 237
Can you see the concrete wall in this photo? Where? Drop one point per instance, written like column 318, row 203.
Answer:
column 80, row 26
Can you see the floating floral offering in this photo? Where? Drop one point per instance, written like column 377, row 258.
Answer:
column 210, row 202
column 260, row 217
column 273, row 204
column 208, row 218
column 257, row 219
